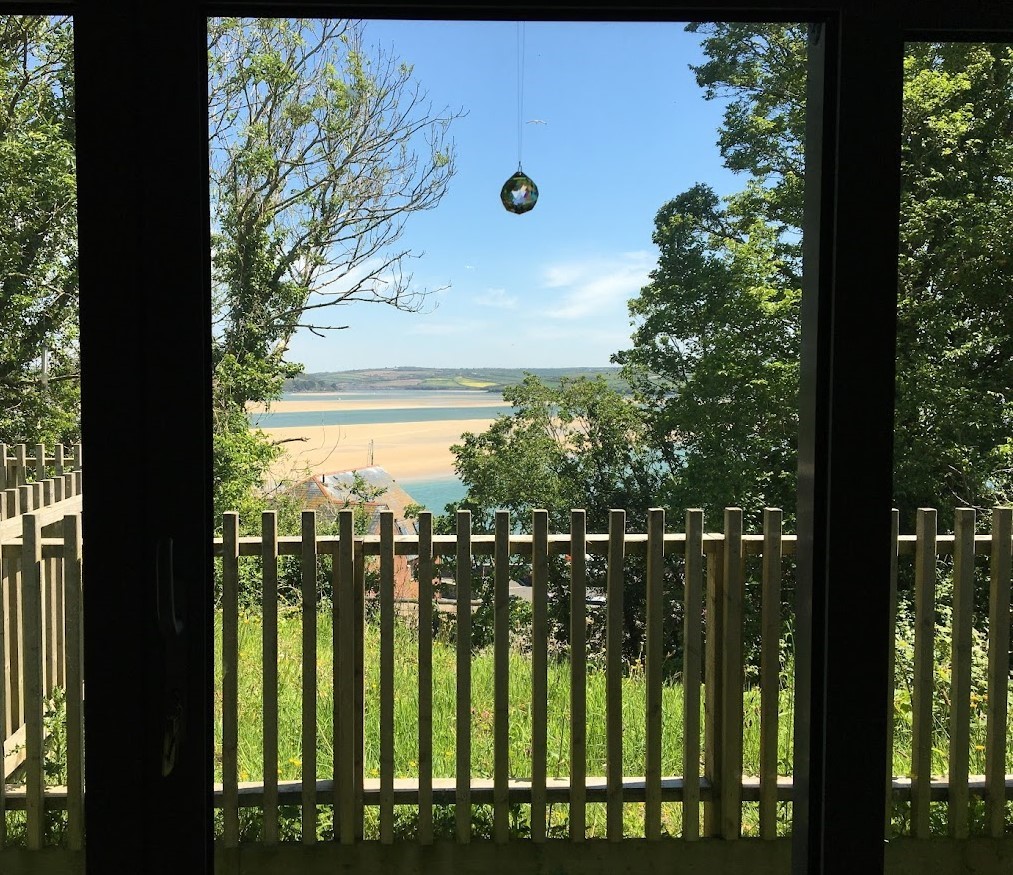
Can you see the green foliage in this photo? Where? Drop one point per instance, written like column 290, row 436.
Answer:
column 581, row 445
column 716, row 344
column 320, row 151
column 39, row 370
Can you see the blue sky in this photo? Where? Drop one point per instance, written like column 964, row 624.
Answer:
column 625, row 129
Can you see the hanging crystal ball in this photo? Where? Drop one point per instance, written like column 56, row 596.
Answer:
column 519, row 193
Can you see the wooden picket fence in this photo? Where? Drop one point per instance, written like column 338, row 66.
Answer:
column 721, row 576
column 18, row 468
column 713, row 580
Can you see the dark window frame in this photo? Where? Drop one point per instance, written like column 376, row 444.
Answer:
column 145, row 312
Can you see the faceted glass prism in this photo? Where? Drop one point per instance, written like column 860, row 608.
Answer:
column 519, row 193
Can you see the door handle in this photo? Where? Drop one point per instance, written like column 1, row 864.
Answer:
column 172, row 629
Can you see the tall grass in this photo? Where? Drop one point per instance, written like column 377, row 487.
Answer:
column 444, row 711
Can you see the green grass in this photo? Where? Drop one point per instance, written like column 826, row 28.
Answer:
column 444, row 735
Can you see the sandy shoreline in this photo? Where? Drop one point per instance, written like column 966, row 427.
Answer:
column 408, row 450
column 452, row 400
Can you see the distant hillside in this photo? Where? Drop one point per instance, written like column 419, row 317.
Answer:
column 478, row 379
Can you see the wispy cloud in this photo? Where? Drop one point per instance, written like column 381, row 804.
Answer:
column 497, row 298
column 591, row 287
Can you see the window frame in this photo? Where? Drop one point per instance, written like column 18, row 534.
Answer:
column 145, row 302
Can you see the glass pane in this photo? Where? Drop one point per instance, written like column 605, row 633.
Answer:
column 419, row 637
column 40, row 432
column 952, row 472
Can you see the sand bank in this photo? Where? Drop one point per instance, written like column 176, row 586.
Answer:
column 426, row 399
column 408, row 450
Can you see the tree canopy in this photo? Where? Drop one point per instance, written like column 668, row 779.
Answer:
column 320, row 151
column 39, row 385
column 716, row 332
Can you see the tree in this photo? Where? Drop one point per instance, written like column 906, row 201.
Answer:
column 320, row 152
column 715, row 349
column 581, row 445
column 39, row 385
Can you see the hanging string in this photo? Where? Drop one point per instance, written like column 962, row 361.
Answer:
column 520, row 92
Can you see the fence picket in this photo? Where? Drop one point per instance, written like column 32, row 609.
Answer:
column 269, row 644
column 31, row 581
column 308, row 569
column 770, row 665
column 614, row 675
column 921, row 696
column 652, row 670
column 539, row 669
column 343, row 678
column 714, row 677
column 731, row 730
column 58, row 461
column 960, row 679
column 40, row 462
column 72, row 559
column 425, row 575
column 891, row 672
column 386, row 677
column 998, row 670
column 501, row 679
column 692, row 660
column 578, row 674
column 5, row 685
column 358, row 695
column 4, row 484
column 230, row 679
column 15, row 637
column 462, row 773
column 20, row 465
column 9, row 652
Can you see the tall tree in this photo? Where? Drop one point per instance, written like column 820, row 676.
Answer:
column 320, row 152
column 716, row 339
column 39, row 386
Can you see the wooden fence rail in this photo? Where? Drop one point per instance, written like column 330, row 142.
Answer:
column 719, row 578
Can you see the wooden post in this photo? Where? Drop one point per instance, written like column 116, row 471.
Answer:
column 692, row 659
column 501, row 680
column 58, row 462
column 230, row 679
column 425, row 678
column 31, row 571
column 614, row 676
column 960, row 677
column 652, row 670
column 539, row 669
column 770, row 665
column 74, row 681
column 921, row 696
column 731, row 730
column 77, row 457
column 10, row 632
column 3, row 468
column 462, row 773
column 998, row 670
column 578, row 673
column 308, row 568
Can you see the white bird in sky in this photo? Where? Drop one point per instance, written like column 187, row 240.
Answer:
column 536, row 121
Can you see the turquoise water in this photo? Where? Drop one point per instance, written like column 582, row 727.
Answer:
column 434, row 493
